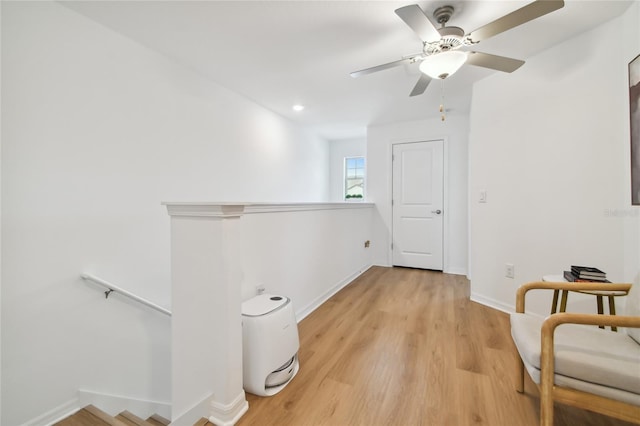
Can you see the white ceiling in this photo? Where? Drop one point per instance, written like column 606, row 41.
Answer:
column 279, row 53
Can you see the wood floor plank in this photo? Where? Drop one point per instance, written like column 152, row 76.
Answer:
column 407, row 347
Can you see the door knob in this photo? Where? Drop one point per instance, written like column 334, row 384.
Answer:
column 436, row 211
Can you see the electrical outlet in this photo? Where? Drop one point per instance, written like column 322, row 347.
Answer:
column 509, row 270
column 259, row 289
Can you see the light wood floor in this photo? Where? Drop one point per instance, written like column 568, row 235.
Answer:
column 406, row 347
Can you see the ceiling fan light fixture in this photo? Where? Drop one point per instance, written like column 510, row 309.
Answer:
column 443, row 65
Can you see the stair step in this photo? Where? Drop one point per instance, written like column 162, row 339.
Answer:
column 158, row 420
column 203, row 422
column 90, row 415
column 131, row 419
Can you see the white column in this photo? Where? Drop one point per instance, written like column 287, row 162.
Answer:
column 206, row 274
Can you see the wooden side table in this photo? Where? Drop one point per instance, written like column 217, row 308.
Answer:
column 599, row 295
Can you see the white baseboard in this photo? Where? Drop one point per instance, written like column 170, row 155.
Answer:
column 315, row 304
column 492, row 303
column 218, row 414
column 228, row 415
column 195, row 413
column 115, row 404
column 456, row 271
column 60, row 412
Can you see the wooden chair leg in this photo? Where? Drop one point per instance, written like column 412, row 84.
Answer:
column 600, row 307
column 612, row 310
column 547, row 369
column 554, row 303
column 546, row 404
column 563, row 302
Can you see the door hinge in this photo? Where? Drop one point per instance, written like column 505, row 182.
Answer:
column 391, row 246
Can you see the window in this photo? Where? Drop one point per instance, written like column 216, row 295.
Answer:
column 354, row 178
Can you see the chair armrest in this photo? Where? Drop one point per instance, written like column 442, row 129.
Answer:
column 575, row 286
column 549, row 325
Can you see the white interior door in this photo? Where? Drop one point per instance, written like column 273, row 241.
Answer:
column 417, row 205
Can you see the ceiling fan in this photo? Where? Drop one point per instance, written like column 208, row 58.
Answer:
column 441, row 57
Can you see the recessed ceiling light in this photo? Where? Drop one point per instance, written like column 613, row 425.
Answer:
column 298, row 107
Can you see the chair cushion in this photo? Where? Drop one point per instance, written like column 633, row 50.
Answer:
column 605, row 391
column 632, row 308
column 582, row 352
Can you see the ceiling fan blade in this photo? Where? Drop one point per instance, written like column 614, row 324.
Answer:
column 525, row 14
column 421, row 85
column 494, row 62
column 415, row 18
column 382, row 67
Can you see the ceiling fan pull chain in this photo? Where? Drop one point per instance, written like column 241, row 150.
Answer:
column 442, row 117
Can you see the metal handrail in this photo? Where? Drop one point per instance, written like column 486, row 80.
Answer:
column 130, row 295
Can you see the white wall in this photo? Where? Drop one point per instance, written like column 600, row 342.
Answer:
column 305, row 255
column 454, row 131
column 98, row 130
column 339, row 150
column 550, row 145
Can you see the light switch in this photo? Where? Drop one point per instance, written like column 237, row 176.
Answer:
column 483, row 197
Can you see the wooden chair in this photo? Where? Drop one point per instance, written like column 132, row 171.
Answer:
column 590, row 368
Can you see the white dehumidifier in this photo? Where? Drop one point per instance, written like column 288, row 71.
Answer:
column 270, row 344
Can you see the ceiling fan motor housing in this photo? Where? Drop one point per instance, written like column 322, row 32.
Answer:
column 451, row 38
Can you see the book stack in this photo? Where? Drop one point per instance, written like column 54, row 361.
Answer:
column 585, row 273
